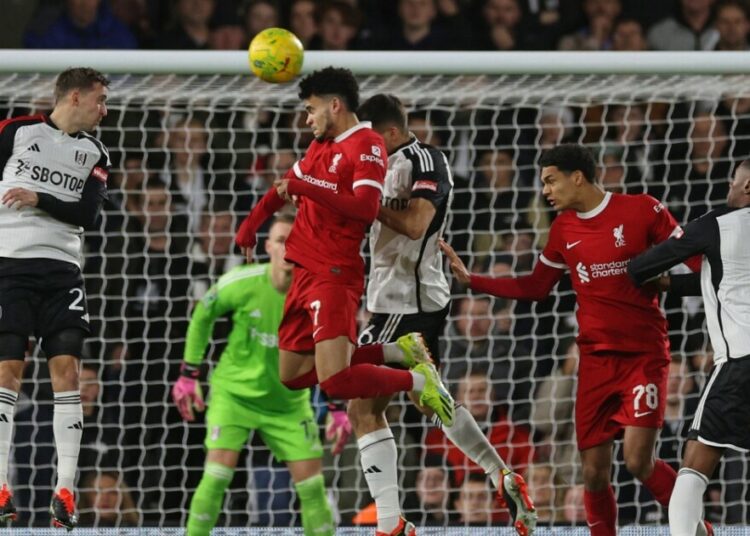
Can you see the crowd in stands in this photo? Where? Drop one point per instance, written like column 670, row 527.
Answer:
column 182, row 179
column 413, row 25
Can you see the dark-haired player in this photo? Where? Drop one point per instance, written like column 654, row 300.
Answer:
column 54, row 177
column 622, row 376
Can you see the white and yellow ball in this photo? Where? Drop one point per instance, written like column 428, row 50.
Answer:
column 276, row 55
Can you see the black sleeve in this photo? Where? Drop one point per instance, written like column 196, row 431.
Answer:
column 431, row 175
column 84, row 212
column 685, row 284
column 698, row 237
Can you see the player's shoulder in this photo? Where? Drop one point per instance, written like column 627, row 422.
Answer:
column 361, row 135
column 245, row 273
column 12, row 124
column 631, row 201
column 97, row 143
column 425, row 158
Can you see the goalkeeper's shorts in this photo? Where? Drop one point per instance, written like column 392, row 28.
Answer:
column 290, row 432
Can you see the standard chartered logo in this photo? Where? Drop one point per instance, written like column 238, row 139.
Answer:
column 583, row 274
column 269, row 340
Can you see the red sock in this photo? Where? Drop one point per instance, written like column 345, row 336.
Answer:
column 367, row 381
column 661, row 482
column 308, row 379
column 371, row 353
column 601, row 511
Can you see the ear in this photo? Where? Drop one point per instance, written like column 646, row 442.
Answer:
column 75, row 97
column 746, row 186
column 336, row 105
column 267, row 245
column 578, row 177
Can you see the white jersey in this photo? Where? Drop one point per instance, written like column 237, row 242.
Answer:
column 37, row 156
column 406, row 276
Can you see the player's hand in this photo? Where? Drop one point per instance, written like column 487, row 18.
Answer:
column 17, row 198
column 338, row 428
column 282, row 188
column 246, row 239
column 187, row 393
column 458, row 267
column 658, row 284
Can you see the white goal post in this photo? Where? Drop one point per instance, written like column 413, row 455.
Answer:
column 670, row 124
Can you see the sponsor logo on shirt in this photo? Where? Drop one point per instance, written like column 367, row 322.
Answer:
column 601, row 269
column 376, row 150
column 99, row 173
column 425, row 185
column 376, row 156
column 658, row 208
column 269, row 340
column 619, row 237
column 45, row 175
column 335, row 162
column 320, row 182
column 583, row 273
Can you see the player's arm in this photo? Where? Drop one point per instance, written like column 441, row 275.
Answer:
column 362, row 205
column 697, row 237
column 247, row 233
column 413, row 221
column 533, row 287
column 664, row 226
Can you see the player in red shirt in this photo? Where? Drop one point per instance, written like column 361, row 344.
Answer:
column 622, row 336
column 337, row 188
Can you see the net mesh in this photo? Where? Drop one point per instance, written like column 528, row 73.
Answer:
column 218, row 142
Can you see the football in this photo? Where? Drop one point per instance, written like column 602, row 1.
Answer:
column 275, row 55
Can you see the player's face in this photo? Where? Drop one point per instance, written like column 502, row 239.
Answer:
column 319, row 116
column 739, row 188
column 276, row 246
column 91, row 106
column 559, row 188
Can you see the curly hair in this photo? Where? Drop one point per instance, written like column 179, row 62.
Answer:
column 334, row 81
column 570, row 157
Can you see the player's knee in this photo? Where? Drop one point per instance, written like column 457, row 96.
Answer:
column 595, row 478
column 13, row 346
column 640, row 465
column 64, row 342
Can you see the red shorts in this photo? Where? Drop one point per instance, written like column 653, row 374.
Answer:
column 318, row 308
column 616, row 390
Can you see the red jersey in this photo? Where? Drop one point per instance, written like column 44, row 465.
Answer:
column 322, row 240
column 613, row 314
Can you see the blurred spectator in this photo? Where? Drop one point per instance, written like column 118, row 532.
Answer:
column 189, row 29
column 555, row 126
column 511, row 440
column 258, row 16
column 433, row 492
column 338, row 22
column 597, row 33
column 134, row 14
column 626, row 128
column 552, row 418
column 612, row 175
column 17, row 16
column 690, row 29
column 302, row 21
column 417, row 28
column 545, row 492
column 505, row 28
column 228, row 37
column 733, row 25
column 105, row 501
column 573, row 509
column 86, row 24
column 628, row 35
column 474, row 502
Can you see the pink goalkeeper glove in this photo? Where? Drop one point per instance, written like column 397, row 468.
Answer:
column 338, row 428
column 187, row 393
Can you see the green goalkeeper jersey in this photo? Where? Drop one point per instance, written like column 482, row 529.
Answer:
column 249, row 366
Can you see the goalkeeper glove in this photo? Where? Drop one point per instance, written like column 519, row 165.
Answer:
column 187, row 393
column 338, row 427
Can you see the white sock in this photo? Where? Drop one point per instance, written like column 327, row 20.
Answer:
column 67, row 424
column 467, row 436
column 377, row 451
column 686, row 504
column 392, row 353
column 8, row 400
column 419, row 381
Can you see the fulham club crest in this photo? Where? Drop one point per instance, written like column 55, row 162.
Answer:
column 81, row 158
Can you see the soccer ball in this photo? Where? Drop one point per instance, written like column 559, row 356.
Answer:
column 275, row 55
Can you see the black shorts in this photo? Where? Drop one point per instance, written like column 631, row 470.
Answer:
column 723, row 415
column 41, row 297
column 384, row 328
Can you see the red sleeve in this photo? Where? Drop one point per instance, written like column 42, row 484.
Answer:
column 362, row 206
column 535, row 286
column 369, row 160
column 266, row 207
column 664, row 226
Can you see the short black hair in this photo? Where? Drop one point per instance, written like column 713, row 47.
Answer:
column 336, row 81
column 382, row 110
column 82, row 78
column 570, row 157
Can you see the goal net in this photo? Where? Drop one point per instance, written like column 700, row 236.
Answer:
column 192, row 153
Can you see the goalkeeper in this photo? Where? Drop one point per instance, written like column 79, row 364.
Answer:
column 246, row 393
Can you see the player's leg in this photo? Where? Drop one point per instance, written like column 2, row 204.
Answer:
column 686, row 504
column 208, row 498
column 12, row 352
column 598, row 495
column 378, row 457
column 64, row 350
column 294, row 439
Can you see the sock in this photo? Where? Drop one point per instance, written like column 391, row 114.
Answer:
column 67, row 423
column 373, row 354
column 378, row 456
column 8, row 400
column 418, row 381
column 601, row 511
column 661, row 482
column 392, row 353
column 367, row 381
column 208, row 499
column 308, row 379
column 317, row 518
column 467, row 436
column 686, row 504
